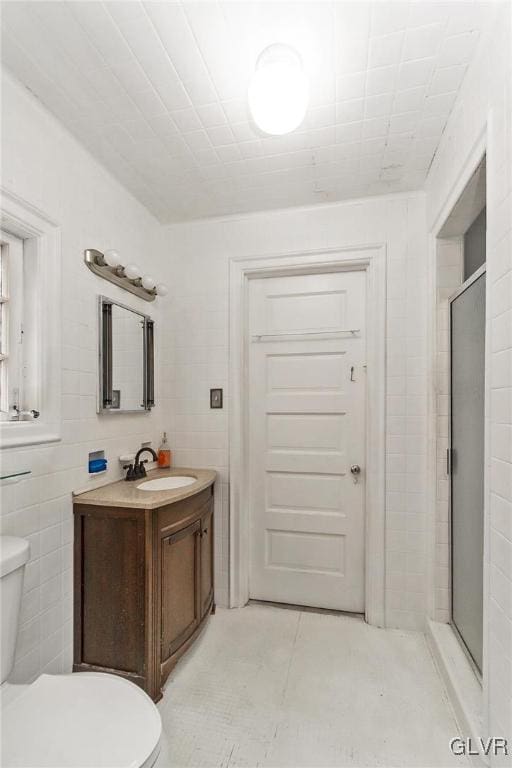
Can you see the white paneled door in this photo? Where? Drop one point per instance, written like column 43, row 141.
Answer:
column 306, row 430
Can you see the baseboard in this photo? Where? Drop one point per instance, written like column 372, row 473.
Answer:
column 462, row 684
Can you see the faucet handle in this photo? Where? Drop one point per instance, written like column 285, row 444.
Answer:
column 129, row 474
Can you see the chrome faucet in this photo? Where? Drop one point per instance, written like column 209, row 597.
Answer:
column 137, row 470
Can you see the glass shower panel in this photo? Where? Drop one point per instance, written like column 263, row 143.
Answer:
column 467, row 315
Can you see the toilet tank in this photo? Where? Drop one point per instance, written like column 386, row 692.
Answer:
column 14, row 553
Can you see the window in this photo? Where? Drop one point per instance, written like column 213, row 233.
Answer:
column 30, row 315
column 474, row 245
column 13, row 369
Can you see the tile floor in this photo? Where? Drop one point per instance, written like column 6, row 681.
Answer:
column 266, row 686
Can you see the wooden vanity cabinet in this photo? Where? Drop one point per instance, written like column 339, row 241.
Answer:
column 143, row 586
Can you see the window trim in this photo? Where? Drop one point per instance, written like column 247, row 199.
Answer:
column 42, row 250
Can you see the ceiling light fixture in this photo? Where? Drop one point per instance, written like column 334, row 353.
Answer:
column 278, row 91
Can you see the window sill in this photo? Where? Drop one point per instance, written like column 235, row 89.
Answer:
column 26, row 433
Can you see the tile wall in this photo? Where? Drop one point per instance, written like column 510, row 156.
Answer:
column 484, row 104
column 201, row 253
column 47, row 168
column 166, row 84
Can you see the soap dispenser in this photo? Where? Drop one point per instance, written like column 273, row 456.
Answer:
column 164, row 454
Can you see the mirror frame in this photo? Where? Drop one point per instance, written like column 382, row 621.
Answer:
column 105, row 358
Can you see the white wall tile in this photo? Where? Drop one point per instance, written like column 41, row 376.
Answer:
column 201, row 254
column 484, row 103
column 123, row 62
column 92, row 210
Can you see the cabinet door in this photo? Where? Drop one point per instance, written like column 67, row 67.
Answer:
column 206, row 560
column 110, row 590
column 180, row 574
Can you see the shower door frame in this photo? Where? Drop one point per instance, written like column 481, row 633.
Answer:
column 482, row 270
column 472, row 710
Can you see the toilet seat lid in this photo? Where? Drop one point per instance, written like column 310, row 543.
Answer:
column 83, row 720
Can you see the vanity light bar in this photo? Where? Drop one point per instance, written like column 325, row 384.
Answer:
column 108, row 265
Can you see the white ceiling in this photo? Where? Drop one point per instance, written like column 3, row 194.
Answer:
column 157, row 91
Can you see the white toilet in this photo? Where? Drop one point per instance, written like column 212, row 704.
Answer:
column 83, row 720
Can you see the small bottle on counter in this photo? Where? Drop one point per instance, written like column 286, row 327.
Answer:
column 164, row 454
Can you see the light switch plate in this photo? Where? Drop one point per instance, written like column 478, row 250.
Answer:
column 216, row 398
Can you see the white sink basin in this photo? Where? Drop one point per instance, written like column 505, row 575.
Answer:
column 167, row 483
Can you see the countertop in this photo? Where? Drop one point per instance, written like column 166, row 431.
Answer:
column 125, row 493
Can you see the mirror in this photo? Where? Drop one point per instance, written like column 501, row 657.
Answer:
column 126, row 356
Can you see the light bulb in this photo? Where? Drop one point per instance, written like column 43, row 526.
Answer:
column 148, row 282
column 112, row 258
column 132, row 271
column 278, row 91
column 161, row 289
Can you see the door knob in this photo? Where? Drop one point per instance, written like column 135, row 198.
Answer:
column 356, row 471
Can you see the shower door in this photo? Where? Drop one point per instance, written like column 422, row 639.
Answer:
column 467, row 323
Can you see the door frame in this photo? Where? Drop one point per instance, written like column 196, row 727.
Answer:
column 372, row 260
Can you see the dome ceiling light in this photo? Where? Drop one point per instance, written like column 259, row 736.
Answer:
column 278, row 91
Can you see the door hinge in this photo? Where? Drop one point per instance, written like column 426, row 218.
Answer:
column 448, row 461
